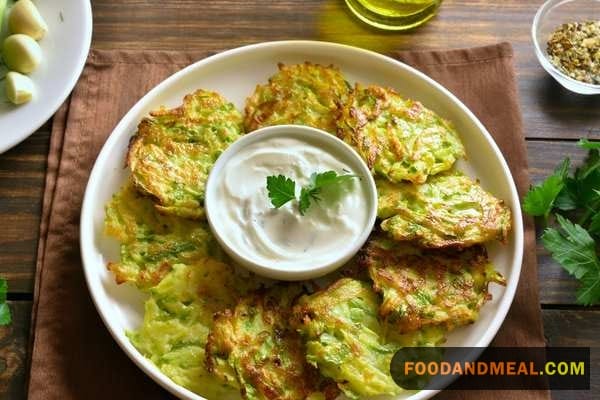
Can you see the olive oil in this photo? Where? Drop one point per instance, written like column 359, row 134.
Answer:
column 394, row 14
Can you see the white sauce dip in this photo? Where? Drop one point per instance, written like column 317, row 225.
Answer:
column 262, row 233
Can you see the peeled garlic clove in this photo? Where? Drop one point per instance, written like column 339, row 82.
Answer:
column 25, row 18
column 21, row 53
column 19, row 88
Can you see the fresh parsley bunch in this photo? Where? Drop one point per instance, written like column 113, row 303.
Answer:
column 574, row 201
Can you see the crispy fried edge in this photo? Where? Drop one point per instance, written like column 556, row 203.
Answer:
column 372, row 250
column 502, row 211
column 136, row 140
column 252, row 123
column 356, row 134
column 311, row 374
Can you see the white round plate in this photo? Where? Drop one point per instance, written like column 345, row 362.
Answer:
column 235, row 74
column 65, row 48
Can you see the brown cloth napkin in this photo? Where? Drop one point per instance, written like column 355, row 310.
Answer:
column 73, row 356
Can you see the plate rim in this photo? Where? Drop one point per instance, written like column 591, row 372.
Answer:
column 86, row 218
column 59, row 100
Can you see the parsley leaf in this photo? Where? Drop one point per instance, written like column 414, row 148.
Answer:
column 5, row 316
column 591, row 165
column 304, row 201
column 586, row 144
column 594, row 227
column 312, row 191
column 567, row 198
column 573, row 247
column 585, row 184
column 281, row 190
column 589, row 292
column 3, row 290
column 322, row 179
column 540, row 199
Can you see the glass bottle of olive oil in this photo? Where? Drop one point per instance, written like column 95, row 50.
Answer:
column 394, row 14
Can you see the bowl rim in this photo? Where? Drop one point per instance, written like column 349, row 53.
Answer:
column 87, row 230
column 272, row 269
column 542, row 55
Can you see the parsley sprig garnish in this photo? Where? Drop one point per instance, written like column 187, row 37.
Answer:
column 282, row 189
column 574, row 201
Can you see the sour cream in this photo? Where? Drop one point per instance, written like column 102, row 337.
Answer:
column 246, row 221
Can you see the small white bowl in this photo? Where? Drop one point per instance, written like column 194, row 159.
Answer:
column 274, row 269
column 551, row 15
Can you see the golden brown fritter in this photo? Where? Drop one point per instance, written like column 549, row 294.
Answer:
column 255, row 345
column 178, row 316
column 345, row 339
column 301, row 94
column 450, row 209
column 173, row 151
column 399, row 138
column 151, row 243
column 423, row 288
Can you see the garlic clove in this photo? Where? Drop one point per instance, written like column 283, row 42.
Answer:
column 19, row 88
column 25, row 18
column 21, row 53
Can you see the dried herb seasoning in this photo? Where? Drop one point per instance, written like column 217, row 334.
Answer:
column 574, row 48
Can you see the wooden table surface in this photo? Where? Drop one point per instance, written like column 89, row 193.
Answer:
column 554, row 120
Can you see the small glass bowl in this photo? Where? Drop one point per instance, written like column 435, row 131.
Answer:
column 550, row 16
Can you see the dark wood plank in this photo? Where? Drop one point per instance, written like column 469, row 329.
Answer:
column 572, row 327
column 575, row 328
column 14, row 340
column 22, row 174
column 545, row 155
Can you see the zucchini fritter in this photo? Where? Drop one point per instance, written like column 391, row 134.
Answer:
column 427, row 336
column 254, row 344
column 302, row 94
column 173, row 151
column 450, row 209
column 423, row 288
column 345, row 339
column 177, row 319
column 152, row 243
column 399, row 138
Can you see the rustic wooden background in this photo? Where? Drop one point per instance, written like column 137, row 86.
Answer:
column 554, row 120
